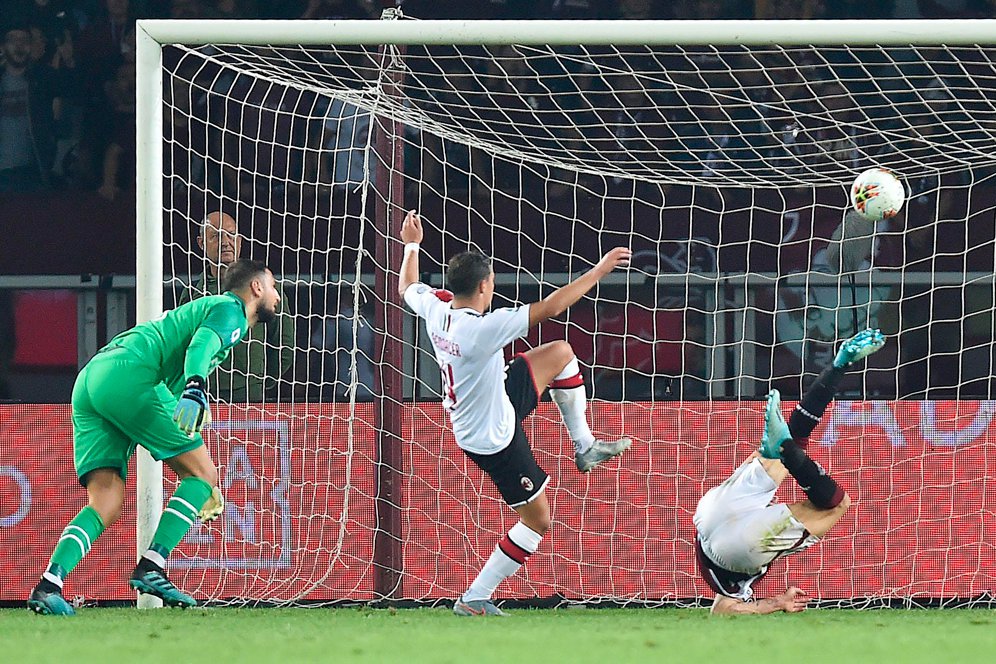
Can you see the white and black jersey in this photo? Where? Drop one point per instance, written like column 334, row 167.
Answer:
column 740, row 531
column 468, row 347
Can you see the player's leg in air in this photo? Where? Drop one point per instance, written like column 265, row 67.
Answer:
column 555, row 365
column 741, row 531
column 827, row 502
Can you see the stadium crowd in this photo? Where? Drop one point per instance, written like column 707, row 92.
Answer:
column 76, row 59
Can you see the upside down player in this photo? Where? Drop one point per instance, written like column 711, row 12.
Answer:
column 146, row 387
column 487, row 401
column 740, row 531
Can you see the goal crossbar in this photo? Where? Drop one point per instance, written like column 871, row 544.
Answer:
column 854, row 32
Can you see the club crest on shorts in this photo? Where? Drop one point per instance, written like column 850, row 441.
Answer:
column 526, row 483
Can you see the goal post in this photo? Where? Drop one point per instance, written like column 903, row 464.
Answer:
column 720, row 151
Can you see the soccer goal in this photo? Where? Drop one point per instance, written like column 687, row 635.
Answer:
column 721, row 153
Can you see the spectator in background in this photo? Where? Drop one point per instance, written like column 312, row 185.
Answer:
column 634, row 10
column 942, row 9
column 102, row 42
column 186, row 9
column 789, row 9
column 231, row 9
column 253, row 369
column 53, row 45
column 338, row 9
column 101, row 49
column 579, row 9
column 118, row 165
column 29, row 108
column 345, row 143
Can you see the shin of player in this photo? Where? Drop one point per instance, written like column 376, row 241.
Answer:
column 741, row 531
column 487, row 400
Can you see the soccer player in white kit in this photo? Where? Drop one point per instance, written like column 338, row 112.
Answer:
column 486, row 419
column 740, row 532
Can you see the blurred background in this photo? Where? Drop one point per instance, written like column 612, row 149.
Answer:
column 67, row 203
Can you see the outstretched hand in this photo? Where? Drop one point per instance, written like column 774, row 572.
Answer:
column 411, row 228
column 618, row 257
column 793, row 600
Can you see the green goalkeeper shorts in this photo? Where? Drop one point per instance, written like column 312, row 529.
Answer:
column 118, row 403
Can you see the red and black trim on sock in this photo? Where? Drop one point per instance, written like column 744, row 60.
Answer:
column 567, row 383
column 513, row 550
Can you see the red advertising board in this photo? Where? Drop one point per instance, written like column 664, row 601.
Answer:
column 301, row 487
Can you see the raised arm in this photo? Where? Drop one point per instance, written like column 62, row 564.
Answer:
column 559, row 300
column 411, row 235
column 792, row 600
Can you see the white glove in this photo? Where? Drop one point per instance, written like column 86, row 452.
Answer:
column 214, row 506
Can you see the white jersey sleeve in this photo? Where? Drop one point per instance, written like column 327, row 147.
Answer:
column 422, row 299
column 503, row 326
column 468, row 348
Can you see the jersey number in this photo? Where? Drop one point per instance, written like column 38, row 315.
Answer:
column 449, row 384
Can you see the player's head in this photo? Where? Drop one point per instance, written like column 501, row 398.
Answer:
column 468, row 274
column 254, row 283
column 219, row 239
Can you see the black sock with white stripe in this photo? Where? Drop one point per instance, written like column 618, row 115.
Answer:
column 814, row 403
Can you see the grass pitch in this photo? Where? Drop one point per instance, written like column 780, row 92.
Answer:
column 606, row 636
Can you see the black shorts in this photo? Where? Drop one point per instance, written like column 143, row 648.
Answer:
column 514, row 469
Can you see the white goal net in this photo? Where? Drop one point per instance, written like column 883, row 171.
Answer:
column 725, row 167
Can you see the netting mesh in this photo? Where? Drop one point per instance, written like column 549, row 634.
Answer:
column 724, row 169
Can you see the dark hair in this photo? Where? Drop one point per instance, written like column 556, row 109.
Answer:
column 241, row 273
column 466, row 271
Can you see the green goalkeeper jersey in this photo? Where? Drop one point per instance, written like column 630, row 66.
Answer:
column 169, row 346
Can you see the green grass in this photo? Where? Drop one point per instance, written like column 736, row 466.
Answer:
column 606, row 636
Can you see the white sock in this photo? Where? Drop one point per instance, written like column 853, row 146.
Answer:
column 155, row 557
column 568, row 392
column 52, row 578
column 511, row 553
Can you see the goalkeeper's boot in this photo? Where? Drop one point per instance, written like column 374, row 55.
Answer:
column 600, row 450
column 858, row 347
column 47, row 600
column 476, row 607
column 151, row 580
column 776, row 431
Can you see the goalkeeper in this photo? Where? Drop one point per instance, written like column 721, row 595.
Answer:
column 146, row 387
column 741, row 531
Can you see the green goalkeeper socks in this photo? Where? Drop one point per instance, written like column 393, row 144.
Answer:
column 75, row 542
column 178, row 517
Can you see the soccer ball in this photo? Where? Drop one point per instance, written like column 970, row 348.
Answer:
column 877, row 194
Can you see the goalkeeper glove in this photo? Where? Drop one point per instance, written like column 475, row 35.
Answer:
column 214, row 506
column 192, row 411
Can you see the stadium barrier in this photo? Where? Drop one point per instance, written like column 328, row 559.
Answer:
column 301, row 518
